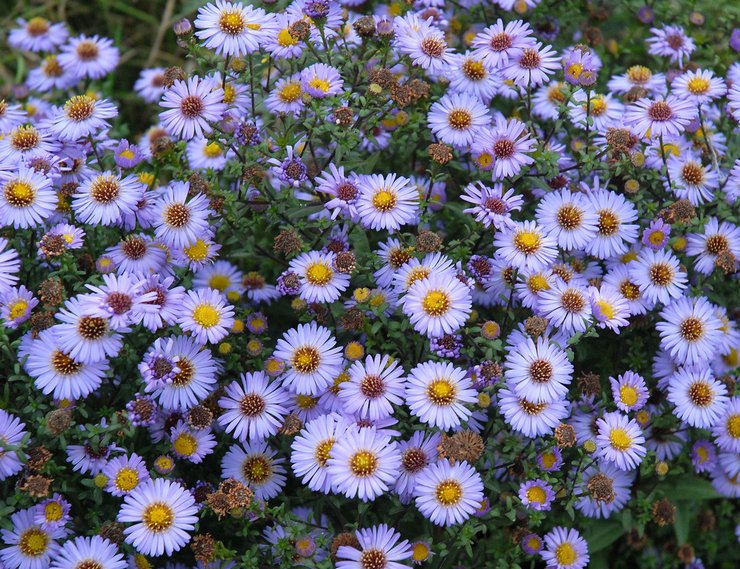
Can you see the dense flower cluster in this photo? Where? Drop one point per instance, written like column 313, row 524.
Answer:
column 427, row 282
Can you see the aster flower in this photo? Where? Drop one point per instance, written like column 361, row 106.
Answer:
column 550, row 460
column 727, row 430
column 699, row 399
column 717, row 238
column 532, row 65
column 37, row 35
column 614, row 228
column 387, row 202
column 28, row 546
column 671, row 42
column 124, row 474
column 320, row 81
column 83, row 336
column 82, row 116
column 609, row 308
column 12, row 432
column 655, row 236
column 26, row 198
column 604, row 111
column 223, row 277
column 437, row 392
column 692, row 180
column 373, row 388
column 163, row 512
column 492, row 207
column 103, row 198
column 52, row 513
column 525, row 245
column 424, row 43
column 311, row 449
column 206, row 315
column 569, row 218
column 204, row 154
column 703, row 456
column 539, row 372
column 536, row 495
column 658, row 117
column 566, row 306
column 94, row 551
column 604, row 477
column 253, row 409
column 437, row 305
column 286, row 96
column 413, row 271
column 120, row 299
column 620, row 441
column 320, row 282
column 468, row 74
column 509, row 145
column 629, row 391
column 16, row 305
column 689, row 330
column 458, row 118
column 150, row 84
column 180, row 220
column 87, row 459
column 313, row 357
column 565, row 549
column 700, row 86
column 231, row 28
column 498, row 43
column 192, row 105
column 448, row 494
column 191, row 444
column 255, row 465
column 531, row 544
column 381, row 547
column 25, row 142
column 529, row 418
column 90, row 57
column 417, row 454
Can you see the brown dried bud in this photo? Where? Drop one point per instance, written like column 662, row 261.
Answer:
column 490, row 371
column 300, row 30
column 345, row 262
column 419, row 89
column 41, row 321
column 291, row 425
column 462, row 446
column 52, row 245
column 440, row 153
column 365, row 26
column 58, row 420
column 219, row 503
column 664, row 512
column 729, row 382
column 601, row 488
column 382, row 77
column 239, row 495
column 204, row 548
column 37, row 458
column 51, row 291
column 353, row 319
column 558, row 182
column 68, row 189
column 161, row 145
column 35, row 485
column 686, row 553
column 172, row 74
column 428, row 242
column 198, row 185
column 344, row 116
column 200, row 417
column 565, row 435
column 342, row 539
column 593, row 35
column 287, row 242
column 681, row 211
column 635, row 94
column 590, row 383
column 727, row 262
column 535, row 326
column 216, row 203
column 635, row 540
column 112, row 531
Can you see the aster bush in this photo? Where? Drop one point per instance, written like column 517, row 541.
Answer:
column 333, row 283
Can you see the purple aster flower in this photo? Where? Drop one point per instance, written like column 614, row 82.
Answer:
column 192, row 105
column 256, row 323
column 735, row 39
column 127, row 155
column 288, row 283
column 292, row 170
column 531, row 544
column 141, row 410
column 247, row 133
column 550, row 460
column 703, row 456
column 536, row 494
column 656, row 234
column 646, row 15
column 580, row 60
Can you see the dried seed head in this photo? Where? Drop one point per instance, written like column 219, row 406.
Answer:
column 287, row 242
column 565, row 435
column 428, row 242
column 664, row 512
column 204, row 548
column 440, row 153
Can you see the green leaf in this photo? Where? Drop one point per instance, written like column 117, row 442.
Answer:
column 690, row 488
column 602, row 534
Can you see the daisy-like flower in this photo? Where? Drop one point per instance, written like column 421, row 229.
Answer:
column 191, row 444
column 178, row 372
column 206, row 315
column 448, row 494
column 718, row 238
column 88, row 460
column 47, row 76
column 89, row 552
column 550, row 460
column 700, row 86
column 458, row 118
column 192, row 105
column 280, row 42
column 437, row 305
column 671, row 42
column 667, row 116
column 26, row 142
column 255, row 465
column 656, row 234
column 124, row 474
column 525, row 246
column 56, row 373
column 699, row 398
column 529, row 418
column 658, row 275
column 204, row 154
column 223, row 277
column 373, row 388
column 692, row 180
column 414, row 271
column 16, row 305
column 231, row 28
column 602, row 109
column 52, row 513
column 320, row 81
column 150, row 84
column 614, row 228
column 363, row 463
column 468, row 74
column 620, row 441
column 10, row 116
column 28, row 546
column 492, row 207
column 532, row 65
column 619, row 279
column 253, row 408
column 311, row 450
column 703, row 456
column 565, row 549
column 690, row 330
column 727, row 430
column 313, row 358
column 120, row 299
column 84, row 336
column 343, row 191
column 180, row 221
column 320, row 282
column 609, row 308
column 629, row 391
column 568, row 217
column 566, row 307
column 163, row 512
column 27, row 198
column 103, row 198
column 539, row 372
column 607, row 477
column 10, row 264
column 89, row 57
column 437, row 393
column 38, row 35
column 498, row 43
column 509, row 145
column 380, row 548
column 138, row 255
column 286, row 96
column 536, row 495
column 12, row 432
column 416, row 455
column 387, row 202
column 82, row 116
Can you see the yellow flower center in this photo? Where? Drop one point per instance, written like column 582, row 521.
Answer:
column 212, row 150
column 185, row 444
column 536, row 494
column 537, row 283
column 158, row 517
column 420, row 552
column 19, row 193
column 320, row 84
column 384, row 200
column 448, row 492
column 321, row 454
column 219, row 282
column 206, row 315
column 319, row 274
column 18, row 309
column 441, row 392
column 565, row 554
column 229, row 94
column 53, row 512
column 33, row 542
column 290, row 92
column 363, row 463
column 436, row 303
column 628, row 395
column 127, row 479
column 527, row 242
column 548, row 459
column 697, row 85
column 607, row 310
column 285, row 39
column 126, row 154
column 733, row 426
column 198, row 251
column 232, row 22
column 620, row 439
